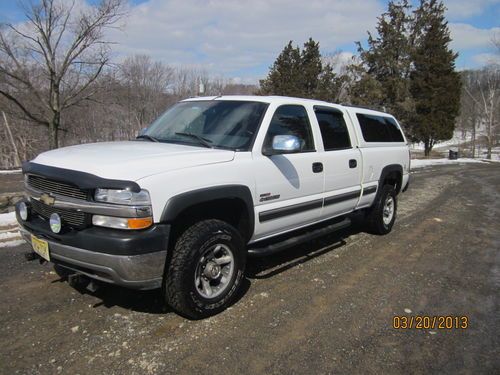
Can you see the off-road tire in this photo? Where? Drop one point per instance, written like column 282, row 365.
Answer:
column 179, row 280
column 374, row 219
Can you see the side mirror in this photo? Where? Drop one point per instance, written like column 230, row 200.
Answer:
column 142, row 131
column 283, row 144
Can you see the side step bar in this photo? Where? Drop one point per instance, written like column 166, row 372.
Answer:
column 259, row 251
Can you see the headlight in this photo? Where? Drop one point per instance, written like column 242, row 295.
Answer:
column 122, row 222
column 122, row 197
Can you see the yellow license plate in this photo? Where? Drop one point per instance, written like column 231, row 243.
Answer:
column 41, row 247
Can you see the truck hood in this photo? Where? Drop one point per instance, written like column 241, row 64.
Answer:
column 131, row 160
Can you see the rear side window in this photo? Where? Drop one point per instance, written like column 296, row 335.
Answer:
column 379, row 128
column 333, row 130
column 394, row 130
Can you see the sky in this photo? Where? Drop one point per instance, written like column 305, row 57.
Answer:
column 241, row 39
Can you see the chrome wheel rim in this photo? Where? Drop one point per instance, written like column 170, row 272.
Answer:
column 214, row 271
column 388, row 212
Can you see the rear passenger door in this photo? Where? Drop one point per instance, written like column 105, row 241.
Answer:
column 342, row 163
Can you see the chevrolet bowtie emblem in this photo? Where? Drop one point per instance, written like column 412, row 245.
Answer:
column 47, row 199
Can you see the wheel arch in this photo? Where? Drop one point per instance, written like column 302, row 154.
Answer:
column 232, row 203
column 391, row 174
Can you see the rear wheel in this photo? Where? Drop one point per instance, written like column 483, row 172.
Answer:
column 206, row 269
column 381, row 216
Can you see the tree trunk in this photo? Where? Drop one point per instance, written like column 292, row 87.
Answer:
column 13, row 142
column 473, row 134
column 54, row 131
column 428, row 147
column 490, row 123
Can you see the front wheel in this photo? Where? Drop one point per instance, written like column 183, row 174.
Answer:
column 381, row 216
column 206, row 269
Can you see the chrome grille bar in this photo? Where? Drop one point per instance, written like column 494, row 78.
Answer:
column 60, row 188
column 73, row 218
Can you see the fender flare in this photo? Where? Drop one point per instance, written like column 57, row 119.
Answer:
column 386, row 171
column 178, row 203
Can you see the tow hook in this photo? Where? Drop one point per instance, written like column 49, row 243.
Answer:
column 31, row 256
column 77, row 280
column 92, row 286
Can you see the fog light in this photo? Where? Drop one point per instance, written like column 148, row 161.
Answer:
column 23, row 211
column 55, row 223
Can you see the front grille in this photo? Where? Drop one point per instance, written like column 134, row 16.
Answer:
column 50, row 186
column 72, row 218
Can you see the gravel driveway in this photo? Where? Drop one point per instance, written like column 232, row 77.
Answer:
column 325, row 307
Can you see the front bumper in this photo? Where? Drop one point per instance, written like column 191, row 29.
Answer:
column 134, row 260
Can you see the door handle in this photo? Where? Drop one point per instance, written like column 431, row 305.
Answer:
column 353, row 163
column 317, row 167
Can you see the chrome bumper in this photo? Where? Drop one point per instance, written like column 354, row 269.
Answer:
column 144, row 271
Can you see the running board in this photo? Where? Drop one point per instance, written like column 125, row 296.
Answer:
column 264, row 250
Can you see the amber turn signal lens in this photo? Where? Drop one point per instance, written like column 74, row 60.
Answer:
column 140, row 223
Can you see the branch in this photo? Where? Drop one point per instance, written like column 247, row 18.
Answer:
column 84, row 38
column 67, row 102
column 6, row 48
column 23, row 108
column 63, row 27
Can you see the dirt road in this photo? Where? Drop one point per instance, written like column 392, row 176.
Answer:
column 326, row 307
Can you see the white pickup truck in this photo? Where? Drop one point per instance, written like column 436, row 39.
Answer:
column 213, row 180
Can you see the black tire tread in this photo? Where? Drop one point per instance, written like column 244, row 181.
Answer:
column 178, row 265
column 373, row 218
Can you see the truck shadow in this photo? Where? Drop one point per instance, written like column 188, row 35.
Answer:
column 269, row 266
column 147, row 301
column 153, row 302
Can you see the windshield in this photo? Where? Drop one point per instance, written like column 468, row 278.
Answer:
column 211, row 123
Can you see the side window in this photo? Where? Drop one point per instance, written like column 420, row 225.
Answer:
column 333, row 130
column 291, row 120
column 394, row 130
column 379, row 128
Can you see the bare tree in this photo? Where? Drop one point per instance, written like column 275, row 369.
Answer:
column 470, row 114
column 484, row 90
column 147, row 82
column 17, row 159
column 50, row 62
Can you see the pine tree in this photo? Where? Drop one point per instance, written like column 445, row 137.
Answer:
column 435, row 85
column 382, row 79
column 285, row 76
column 302, row 74
column 311, row 68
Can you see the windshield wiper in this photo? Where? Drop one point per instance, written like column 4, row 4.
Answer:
column 145, row 136
column 201, row 140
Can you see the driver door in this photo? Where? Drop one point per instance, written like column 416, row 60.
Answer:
column 289, row 186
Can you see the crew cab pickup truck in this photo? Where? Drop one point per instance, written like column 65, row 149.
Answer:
column 214, row 179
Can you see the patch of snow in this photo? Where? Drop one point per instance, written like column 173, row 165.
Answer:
column 10, row 171
column 491, row 161
column 8, row 219
column 6, row 235
column 421, row 163
column 453, row 142
column 12, row 243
